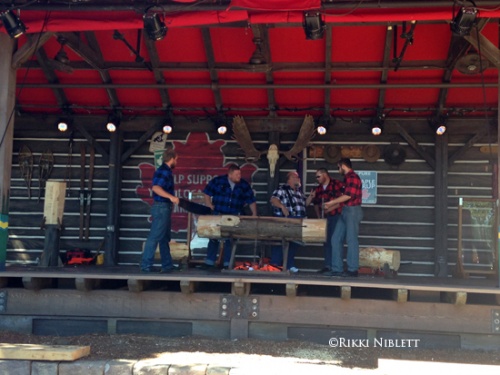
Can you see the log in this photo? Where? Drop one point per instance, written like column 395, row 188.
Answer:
column 376, row 257
column 53, row 208
column 262, row 228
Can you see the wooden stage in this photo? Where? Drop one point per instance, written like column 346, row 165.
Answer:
column 240, row 304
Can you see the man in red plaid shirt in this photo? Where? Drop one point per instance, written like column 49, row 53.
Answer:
column 327, row 190
column 347, row 227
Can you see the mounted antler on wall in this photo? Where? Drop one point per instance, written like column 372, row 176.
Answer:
column 244, row 139
column 306, row 133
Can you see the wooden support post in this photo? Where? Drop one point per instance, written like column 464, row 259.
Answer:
column 188, row 287
column 114, row 191
column 345, row 292
column 240, row 289
column 7, row 102
column 401, row 295
column 456, row 298
column 86, row 285
column 441, row 206
column 50, row 255
column 36, row 283
column 137, row 286
column 291, row 290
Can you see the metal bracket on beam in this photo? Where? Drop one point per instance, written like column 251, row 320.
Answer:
column 3, row 301
column 236, row 307
column 495, row 321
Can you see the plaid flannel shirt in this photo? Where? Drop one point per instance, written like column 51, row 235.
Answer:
column 333, row 190
column 353, row 188
column 164, row 178
column 293, row 200
column 227, row 200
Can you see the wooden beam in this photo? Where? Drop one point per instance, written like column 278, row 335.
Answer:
column 413, row 143
column 7, row 115
column 155, row 63
column 40, row 352
column 207, row 42
column 328, row 62
column 51, row 77
column 82, row 50
column 470, row 143
column 385, row 64
column 92, row 141
column 34, row 42
column 486, row 47
column 105, row 76
column 441, row 206
column 145, row 136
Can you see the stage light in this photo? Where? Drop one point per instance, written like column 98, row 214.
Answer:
column 62, row 125
column 113, row 122
column 324, row 123
column 13, row 25
column 464, row 21
column 154, row 26
column 314, row 26
column 438, row 124
column 222, row 129
column 377, row 124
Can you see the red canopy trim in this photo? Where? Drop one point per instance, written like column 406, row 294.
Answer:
column 283, row 5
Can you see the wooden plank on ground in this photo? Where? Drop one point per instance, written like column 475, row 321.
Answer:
column 36, row 352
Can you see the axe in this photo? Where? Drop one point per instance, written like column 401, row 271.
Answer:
column 194, row 208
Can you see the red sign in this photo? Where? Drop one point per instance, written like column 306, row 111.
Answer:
column 199, row 161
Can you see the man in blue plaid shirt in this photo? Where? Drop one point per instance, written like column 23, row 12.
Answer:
column 161, row 211
column 288, row 201
column 227, row 195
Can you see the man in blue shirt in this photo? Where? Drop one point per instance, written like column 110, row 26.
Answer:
column 161, row 212
column 227, row 195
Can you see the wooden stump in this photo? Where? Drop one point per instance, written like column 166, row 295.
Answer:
column 376, row 257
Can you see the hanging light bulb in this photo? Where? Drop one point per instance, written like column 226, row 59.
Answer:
column 222, row 129
column 167, row 129
column 62, row 125
column 113, row 122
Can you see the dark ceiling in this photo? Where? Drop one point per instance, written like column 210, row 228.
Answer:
column 376, row 57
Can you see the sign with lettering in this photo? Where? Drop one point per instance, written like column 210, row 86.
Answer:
column 369, row 180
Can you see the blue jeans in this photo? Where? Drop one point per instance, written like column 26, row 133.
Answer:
column 331, row 223
column 159, row 234
column 277, row 255
column 347, row 229
column 277, row 252
column 213, row 250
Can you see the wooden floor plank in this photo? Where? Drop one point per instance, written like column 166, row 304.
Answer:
column 43, row 352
